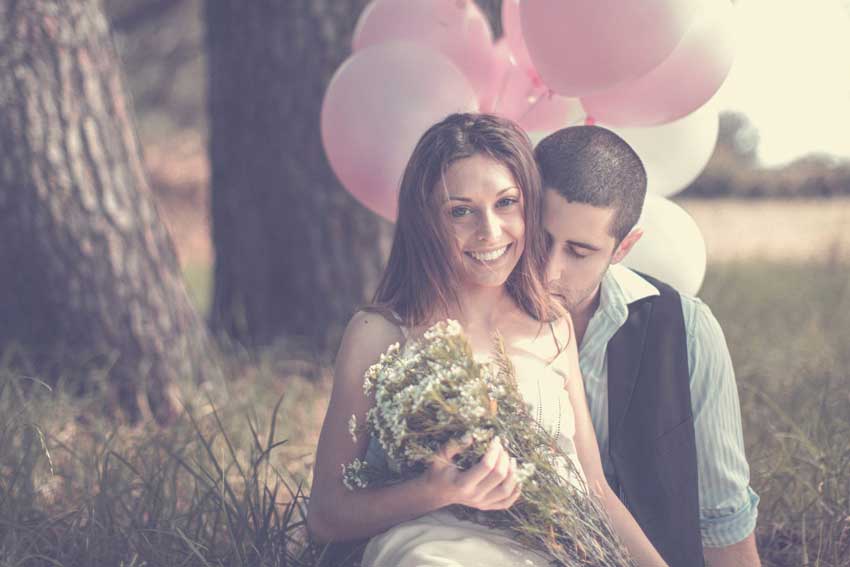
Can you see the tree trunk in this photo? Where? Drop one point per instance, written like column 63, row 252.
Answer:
column 294, row 252
column 89, row 271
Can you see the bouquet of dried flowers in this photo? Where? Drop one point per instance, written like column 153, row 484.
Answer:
column 432, row 391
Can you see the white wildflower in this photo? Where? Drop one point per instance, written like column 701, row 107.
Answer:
column 354, row 475
column 352, row 427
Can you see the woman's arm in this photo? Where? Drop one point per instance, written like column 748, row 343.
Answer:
column 338, row 514
column 588, row 454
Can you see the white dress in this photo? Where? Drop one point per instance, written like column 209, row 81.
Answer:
column 439, row 539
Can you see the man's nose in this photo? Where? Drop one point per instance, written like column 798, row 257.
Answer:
column 554, row 266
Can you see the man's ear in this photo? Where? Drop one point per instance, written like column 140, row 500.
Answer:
column 626, row 245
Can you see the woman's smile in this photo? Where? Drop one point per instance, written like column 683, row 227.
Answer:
column 490, row 256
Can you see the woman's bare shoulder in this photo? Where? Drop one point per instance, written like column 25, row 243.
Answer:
column 367, row 336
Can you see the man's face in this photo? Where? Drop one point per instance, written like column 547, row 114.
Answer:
column 581, row 248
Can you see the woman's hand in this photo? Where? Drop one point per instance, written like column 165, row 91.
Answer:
column 491, row 484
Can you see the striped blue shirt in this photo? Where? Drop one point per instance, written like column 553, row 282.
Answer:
column 728, row 506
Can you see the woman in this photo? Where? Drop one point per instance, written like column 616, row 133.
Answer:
column 468, row 246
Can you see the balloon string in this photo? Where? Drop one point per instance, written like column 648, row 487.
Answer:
column 546, row 93
column 502, row 87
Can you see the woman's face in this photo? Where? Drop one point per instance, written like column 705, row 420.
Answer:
column 484, row 205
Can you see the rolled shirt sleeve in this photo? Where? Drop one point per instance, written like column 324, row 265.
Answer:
column 728, row 506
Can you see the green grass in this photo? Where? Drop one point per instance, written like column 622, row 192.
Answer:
column 221, row 486
column 198, row 278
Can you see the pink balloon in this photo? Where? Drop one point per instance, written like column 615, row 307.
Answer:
column 523, row 98
column 377, row 106
column 499, row 66
column 456, row 28
column 549, row 111
column 583, row 46
column 682, row 83
column 513, row 35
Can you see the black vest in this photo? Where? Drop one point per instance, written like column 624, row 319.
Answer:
column 651, row 427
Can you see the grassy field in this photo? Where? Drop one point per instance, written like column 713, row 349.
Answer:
column 221, row 487
column 781, row 230
column 787, row 327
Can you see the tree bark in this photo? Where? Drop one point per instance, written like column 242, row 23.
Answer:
column 89, row 271
column 294, row 252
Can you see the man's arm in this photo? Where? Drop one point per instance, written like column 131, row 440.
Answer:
column 728, row 506
column 741, row 554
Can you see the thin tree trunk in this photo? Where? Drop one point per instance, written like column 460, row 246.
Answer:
column 294, row 253
column 89, row 271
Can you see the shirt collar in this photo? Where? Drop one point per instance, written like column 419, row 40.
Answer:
column 621, row 287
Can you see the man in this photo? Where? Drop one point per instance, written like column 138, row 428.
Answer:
column 656, row 367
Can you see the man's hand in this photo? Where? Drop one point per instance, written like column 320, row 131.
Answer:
column 741, row 554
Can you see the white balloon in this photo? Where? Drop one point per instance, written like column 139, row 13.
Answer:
column 674, row 154
column 536, row 136
column 672, row 248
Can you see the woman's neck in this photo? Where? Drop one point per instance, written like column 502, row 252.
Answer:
column 482, row 308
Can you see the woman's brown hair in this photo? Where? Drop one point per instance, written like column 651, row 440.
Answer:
column 420, row 273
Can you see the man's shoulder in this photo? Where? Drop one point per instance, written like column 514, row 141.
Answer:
column 662, row 287
column 691, row 304
column 700, row 321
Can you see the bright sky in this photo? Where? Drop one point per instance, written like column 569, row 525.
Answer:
column 791, row 76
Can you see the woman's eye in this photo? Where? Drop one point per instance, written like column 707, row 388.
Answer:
column 459, row 212
column 507, row 202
